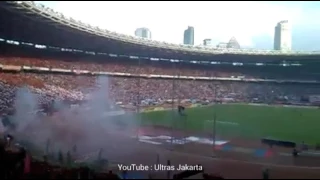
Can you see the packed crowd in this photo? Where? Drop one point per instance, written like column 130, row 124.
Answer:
column 127, row 65
column 114, row 66
column 122, row 90
column 127, row 90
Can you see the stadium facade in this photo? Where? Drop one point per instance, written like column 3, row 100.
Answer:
column 31, row 30
column 32, row 25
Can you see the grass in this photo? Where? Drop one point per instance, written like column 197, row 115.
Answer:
column 294, row 124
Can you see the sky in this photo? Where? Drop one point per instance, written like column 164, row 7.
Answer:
column 251, row 23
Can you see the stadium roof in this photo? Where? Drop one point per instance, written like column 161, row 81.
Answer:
column 26, row 21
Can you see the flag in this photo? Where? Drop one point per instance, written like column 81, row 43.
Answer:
column 74, row 149
column 100, row 153
column 47, row 146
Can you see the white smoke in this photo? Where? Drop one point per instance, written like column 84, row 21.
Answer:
column 89, row 126
column 2, row 128
column 25, row 106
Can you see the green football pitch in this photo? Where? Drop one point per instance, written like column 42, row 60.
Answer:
column 248, row 121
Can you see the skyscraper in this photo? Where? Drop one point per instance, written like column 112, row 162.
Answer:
column 143, row 32
column 188, row 36
column 282, row 36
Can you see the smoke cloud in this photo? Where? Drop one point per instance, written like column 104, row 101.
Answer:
column 96, row 123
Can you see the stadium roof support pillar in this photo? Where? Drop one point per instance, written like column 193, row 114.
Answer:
column 214, row 130
column 176, row 101
column 172, row 106
column 138, row 101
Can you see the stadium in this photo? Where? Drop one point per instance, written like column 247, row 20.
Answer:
column 66, row 84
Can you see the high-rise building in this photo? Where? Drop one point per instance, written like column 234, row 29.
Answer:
column 282, row 36
column 143, row 32
column 188, row 36
column 207, row 42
